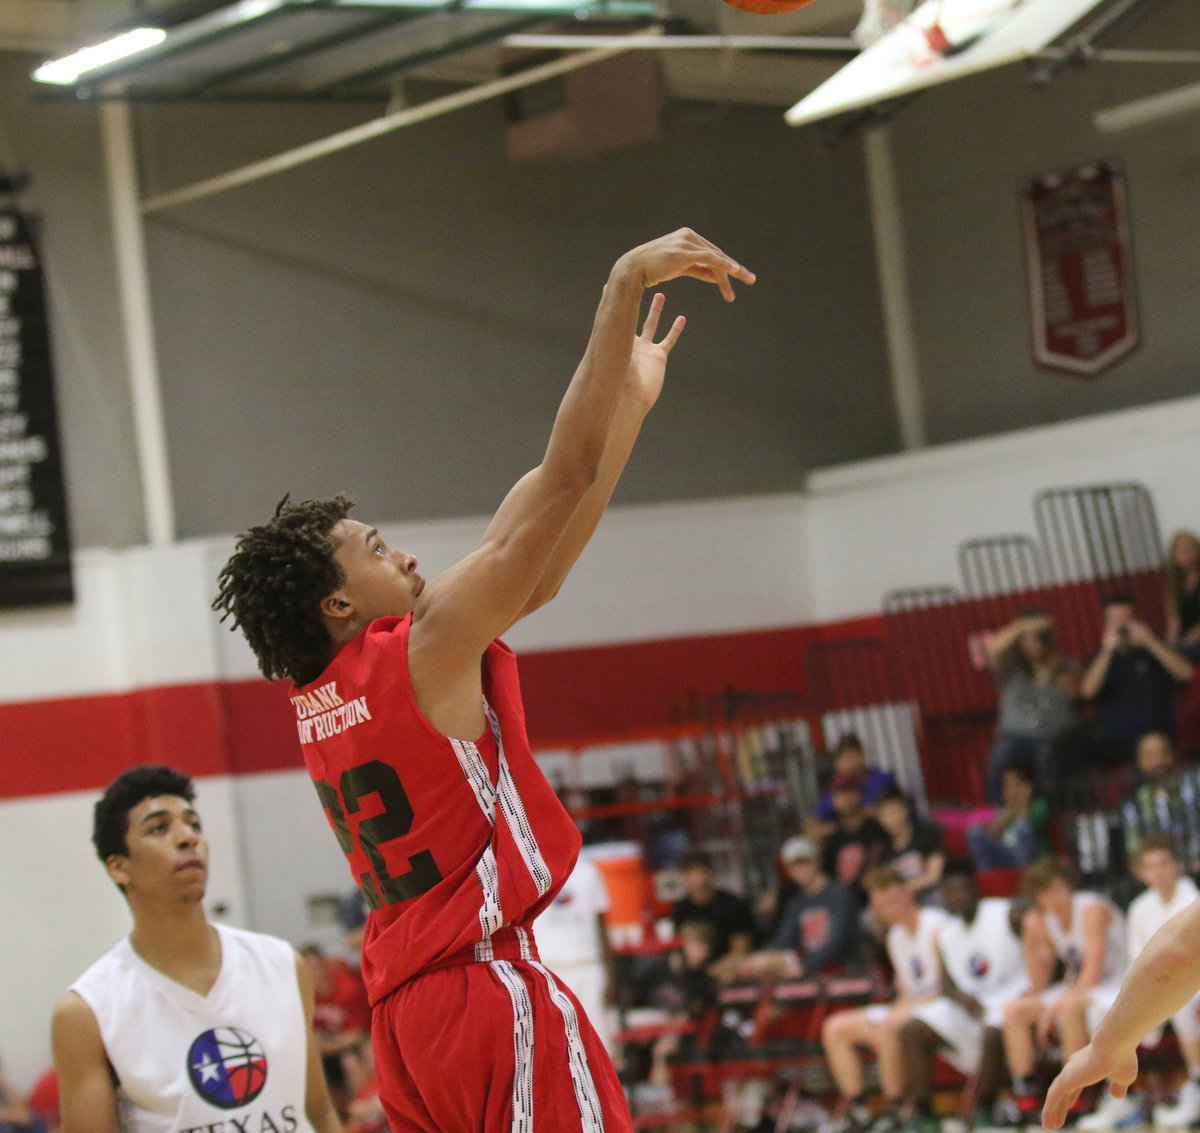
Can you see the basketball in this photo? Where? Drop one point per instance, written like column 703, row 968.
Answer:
column 768, row 7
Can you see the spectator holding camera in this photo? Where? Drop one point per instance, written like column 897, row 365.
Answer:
column 1038, row 686
column 1132, row 680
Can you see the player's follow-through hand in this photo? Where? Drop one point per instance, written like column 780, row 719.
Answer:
column 1085, row 1068
column 681, row 253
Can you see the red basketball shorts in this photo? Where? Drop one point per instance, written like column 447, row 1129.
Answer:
column 497, row 1046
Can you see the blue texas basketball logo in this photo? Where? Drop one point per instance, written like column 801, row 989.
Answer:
column 227, row 1067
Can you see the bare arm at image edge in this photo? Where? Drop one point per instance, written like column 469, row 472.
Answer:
column 1163, row 978
column 87, row 1092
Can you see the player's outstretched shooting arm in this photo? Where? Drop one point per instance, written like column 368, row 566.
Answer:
column 1163, row 978
column 548, row 516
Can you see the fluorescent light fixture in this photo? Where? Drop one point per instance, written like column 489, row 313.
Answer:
column 1145, row 111
column 66, row 70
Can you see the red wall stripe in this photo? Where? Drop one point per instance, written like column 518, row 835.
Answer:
column 248, row 726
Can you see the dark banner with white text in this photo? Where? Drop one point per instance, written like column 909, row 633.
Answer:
column 35, row 551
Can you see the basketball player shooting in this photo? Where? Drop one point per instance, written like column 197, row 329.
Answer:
column 412, row 728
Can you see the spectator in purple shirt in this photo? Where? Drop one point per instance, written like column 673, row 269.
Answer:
column 850, row 761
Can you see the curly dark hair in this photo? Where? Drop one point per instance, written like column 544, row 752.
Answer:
column 273, row 584
column 110, row 817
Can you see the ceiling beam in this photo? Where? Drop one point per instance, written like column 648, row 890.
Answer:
column 375, row 128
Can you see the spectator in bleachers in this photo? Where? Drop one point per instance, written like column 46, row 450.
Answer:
column 687, row 986
column 857, row 841
column 341, row 1023
column 1158, row 866
column 1086, row 933
column 687, row 990
column 1017, row 834
column 912, row 949
column 983, row 969
column 352, row 916
column 850, row 760
column 817, row 931
column 1038, row 685
column 916, row 849
column 1132, row 680
column 1165, row 801
column 731, row 918
column 366, row 1114
column 572, row 938
column 1181, row 578
column 15, row 1113
column 44, row 1100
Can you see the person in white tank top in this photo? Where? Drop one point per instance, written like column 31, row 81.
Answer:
column 1087, row 933
column 912, row 949
column 183, row 1026
column 983, row 970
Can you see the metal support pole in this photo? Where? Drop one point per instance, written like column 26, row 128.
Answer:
column 133, row 289
column 892, row 266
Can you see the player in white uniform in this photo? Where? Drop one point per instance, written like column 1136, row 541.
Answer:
column 1157, row 865
column 573, row 941
column 983, row 969
column 1087, row 933
column 184, row 1026
column 912, row 949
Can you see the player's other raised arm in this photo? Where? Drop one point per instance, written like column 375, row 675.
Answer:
column 547, row 517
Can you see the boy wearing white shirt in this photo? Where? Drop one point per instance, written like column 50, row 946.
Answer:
column 912, row 949
column 1086, row 932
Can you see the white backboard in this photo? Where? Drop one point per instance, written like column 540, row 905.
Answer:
column 941, row 40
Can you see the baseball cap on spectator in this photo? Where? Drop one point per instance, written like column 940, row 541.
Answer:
column 798, row 849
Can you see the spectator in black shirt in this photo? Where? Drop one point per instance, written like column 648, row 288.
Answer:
column 818, row 929
column 730, row 916
column 916, row 849
column 857, row 842
column 1132, row 680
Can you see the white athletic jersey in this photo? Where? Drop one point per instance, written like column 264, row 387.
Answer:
column 914, row 955
column 984, row 958
column 1149, row 912
column 568, row 932
column 1070, row 944
column 234, row 1059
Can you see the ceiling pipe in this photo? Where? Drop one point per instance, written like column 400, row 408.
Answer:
column 832, row 45
column 409, row 116
column 1146, row 111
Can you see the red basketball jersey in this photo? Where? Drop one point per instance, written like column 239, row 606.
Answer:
column 450, row 840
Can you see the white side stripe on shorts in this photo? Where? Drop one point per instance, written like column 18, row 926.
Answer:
column 522, row 1095
column 591, row 1116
